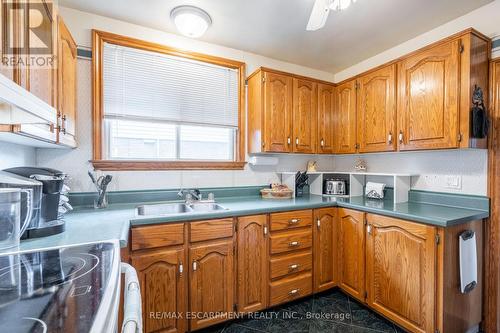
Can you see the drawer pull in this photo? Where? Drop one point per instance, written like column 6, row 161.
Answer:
column 293, row 267
column 293, row 292
column 293, row 221
column 293, row 244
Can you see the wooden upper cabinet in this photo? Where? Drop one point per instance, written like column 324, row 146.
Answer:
column 283, row 113
column 376, row 111
column 67, row 85
column 351, row 252
column 211, row 282
column 345, row 118
column 326, row 106
column 429, row 98
column 252, row 263
column 401, row 271
column 325, row 245
column 5, row 69
column 163, row 289
column 305, row 115
column 278, row 92
column 42, row 81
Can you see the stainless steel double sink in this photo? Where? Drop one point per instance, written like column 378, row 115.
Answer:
column 177, row 208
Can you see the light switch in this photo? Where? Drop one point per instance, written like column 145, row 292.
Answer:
column 454, row 182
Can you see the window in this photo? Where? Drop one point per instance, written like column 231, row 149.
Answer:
column 160, row 108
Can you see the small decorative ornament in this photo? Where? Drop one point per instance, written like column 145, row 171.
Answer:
column 312, row 166
column 360, row 165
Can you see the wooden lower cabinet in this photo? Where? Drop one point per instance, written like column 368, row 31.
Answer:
column 401, row 271
column 252, row 263
column 406, row 271
column 211, row 283
column 352, row 252
column 163, row 289
column 325, row 239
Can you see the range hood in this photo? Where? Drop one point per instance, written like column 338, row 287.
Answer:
column 20, row 107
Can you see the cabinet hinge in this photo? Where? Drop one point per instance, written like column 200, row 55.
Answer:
column 246, row 82
column 438, row 238
column 263, row 79
column 461, row 48
column 236, row 227
column 234, row 249
column 437, row 331
column 366, row 294
column 235, row 307
column 459, row 137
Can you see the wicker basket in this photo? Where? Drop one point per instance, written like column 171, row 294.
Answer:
column 268, row 193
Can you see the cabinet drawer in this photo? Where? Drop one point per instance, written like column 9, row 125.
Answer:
column 288, row 220
column 157, row 236
column 290, row 263
column 211, row 229
column 291, row 241
column 288, row 289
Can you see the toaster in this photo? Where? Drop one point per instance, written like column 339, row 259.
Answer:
column 334, row 187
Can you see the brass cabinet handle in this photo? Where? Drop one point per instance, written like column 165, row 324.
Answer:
column 390, row 138
column 322, row 143
column 293, row 292
column 296, row 141
column 293, row 221
column 293, row 244
column 293, row 267
column 400, row 136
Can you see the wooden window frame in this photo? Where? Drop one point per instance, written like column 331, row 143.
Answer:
column 98, row 40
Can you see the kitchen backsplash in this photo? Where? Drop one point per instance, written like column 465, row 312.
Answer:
column 12, row 155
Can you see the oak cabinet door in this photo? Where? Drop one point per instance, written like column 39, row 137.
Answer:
column 211, row 283
column 352, row 252
column 41, row 82
column 252, row 263
column 163, row 289
column 278, row 99
column 345, row 118
column 401, row 271
column 429, row 98
column 326, row 107
column 325, row 246
column 304, row 116
column 66, row 85
column 377, row 111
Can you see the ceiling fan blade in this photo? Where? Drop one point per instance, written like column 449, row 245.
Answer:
column 319, row 15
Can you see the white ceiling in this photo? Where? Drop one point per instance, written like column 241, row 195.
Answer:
column 276, row 28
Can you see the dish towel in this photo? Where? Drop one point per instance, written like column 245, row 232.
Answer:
column 374, row 190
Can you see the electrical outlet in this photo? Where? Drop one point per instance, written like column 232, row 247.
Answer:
column 454, row 182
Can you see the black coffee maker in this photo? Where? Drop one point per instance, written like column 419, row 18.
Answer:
column 54, row 201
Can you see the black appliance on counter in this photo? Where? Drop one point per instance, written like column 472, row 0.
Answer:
column 54, row 201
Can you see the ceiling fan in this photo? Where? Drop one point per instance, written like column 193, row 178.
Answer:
column 322, row 8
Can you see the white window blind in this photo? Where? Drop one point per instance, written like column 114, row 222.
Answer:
column 155, row 86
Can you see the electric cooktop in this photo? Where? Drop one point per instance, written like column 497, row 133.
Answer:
column 55, row 290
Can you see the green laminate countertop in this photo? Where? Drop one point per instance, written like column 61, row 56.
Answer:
column 89, row 225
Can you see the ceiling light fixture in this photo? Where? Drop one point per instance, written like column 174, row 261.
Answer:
column 339, row 5
column 191, row 21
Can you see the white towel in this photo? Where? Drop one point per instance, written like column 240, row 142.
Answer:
column 375, row 190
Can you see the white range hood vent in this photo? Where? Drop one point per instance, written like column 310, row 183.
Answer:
column 18, row 106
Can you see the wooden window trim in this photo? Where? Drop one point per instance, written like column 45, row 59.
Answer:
column 98, row 40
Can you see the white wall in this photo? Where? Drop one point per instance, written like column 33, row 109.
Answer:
column 484, row 19
column 12, row 155
column 433, row 167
